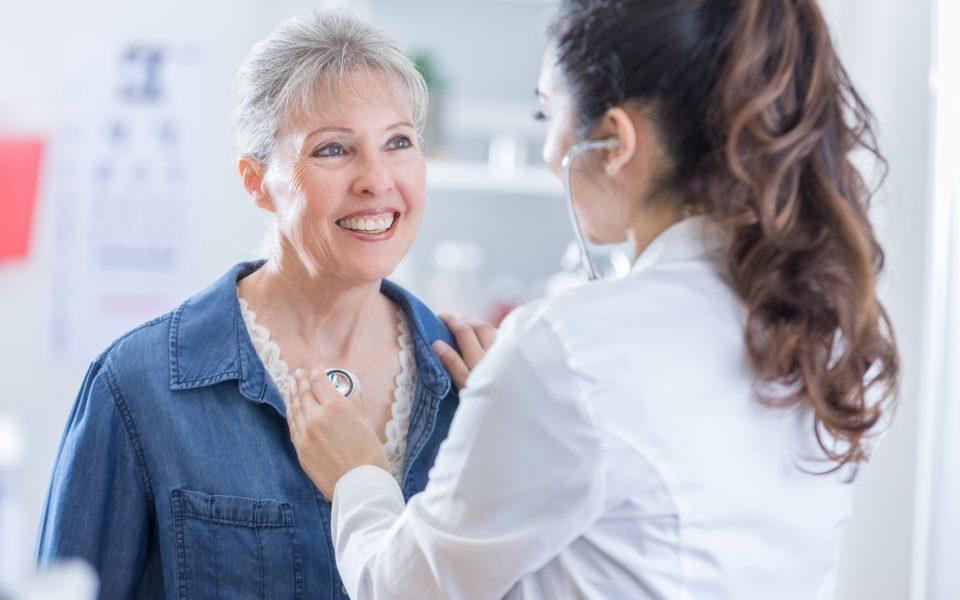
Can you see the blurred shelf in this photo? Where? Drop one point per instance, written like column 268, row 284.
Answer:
column 489, row 118
column 474, row 176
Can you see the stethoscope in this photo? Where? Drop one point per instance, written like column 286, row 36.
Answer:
column 346, row 382
column 585, row 260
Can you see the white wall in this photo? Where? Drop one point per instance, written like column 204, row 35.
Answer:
column 886, row 48
column 937, row 538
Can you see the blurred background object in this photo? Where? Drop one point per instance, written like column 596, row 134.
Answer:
column 68, row 580
column 13, row 561
column 433, row 134
column 19, row 175
column 136, row 204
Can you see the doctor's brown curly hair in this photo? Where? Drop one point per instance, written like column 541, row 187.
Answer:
column 761, row 120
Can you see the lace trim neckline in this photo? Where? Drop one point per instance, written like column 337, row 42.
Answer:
column 404, row 385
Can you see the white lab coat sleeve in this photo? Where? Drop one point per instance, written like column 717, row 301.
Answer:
column 519, row 478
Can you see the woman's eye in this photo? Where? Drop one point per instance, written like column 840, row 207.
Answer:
column 540, row 116
column 399, row 143
column 330, row 150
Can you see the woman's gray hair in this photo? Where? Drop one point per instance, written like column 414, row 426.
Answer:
column 311, row 56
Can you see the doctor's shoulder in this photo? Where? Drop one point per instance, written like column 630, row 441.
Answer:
column 555, row 314
column 659, row 315
column 651, row 293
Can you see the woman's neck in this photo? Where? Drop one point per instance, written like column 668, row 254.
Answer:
column 320, row 313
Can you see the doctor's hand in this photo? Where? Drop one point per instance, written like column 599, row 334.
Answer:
column 331, row 434
column 474, row 338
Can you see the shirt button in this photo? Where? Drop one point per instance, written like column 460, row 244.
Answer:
column 343, row 589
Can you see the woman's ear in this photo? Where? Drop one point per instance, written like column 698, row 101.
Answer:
column 616, row 123
column 252, row 173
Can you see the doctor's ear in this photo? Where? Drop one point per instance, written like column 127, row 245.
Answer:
column 618, row 126
column 252, row 172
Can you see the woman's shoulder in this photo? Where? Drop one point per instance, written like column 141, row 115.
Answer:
column 204, row 319
column 132, row 360
column 211, row 310
column 139, row 348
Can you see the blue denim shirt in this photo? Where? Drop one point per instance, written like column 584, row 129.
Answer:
column 176, row 477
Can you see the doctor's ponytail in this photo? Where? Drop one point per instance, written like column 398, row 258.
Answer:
column 761, row 120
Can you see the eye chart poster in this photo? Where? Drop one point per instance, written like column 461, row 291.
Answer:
column 125, row 185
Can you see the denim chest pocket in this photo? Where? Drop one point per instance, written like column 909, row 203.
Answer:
column 232, row 547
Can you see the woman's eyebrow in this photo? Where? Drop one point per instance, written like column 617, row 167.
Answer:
column 323, row 129
column 348, row 130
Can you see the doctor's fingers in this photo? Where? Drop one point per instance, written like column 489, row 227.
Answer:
column 295, row 417
column 356, row 401
column 486, row 333
column 467, row 340
column 323, row 390
column 305, row 408
column 452, row 362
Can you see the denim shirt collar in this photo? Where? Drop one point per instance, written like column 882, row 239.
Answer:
column 209, row 341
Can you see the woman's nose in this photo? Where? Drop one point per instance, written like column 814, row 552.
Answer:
column 373, row 177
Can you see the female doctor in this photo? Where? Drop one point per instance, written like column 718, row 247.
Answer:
column 692, row 430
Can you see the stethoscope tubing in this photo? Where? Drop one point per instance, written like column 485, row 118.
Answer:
column 585, row 259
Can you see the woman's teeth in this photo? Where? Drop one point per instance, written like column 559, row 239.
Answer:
column 377, row 224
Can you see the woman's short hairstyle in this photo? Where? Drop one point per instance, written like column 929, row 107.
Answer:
column 308, row 58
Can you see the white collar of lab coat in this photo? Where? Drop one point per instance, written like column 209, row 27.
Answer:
column 692, row 238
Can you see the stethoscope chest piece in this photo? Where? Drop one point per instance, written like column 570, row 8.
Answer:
column 345, row 381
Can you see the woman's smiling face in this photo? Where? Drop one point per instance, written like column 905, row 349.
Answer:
column 347, row 181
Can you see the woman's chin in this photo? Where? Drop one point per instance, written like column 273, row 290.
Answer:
column 369, row 272
column 358, row 265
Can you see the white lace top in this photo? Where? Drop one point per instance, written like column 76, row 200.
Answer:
column 406, row 382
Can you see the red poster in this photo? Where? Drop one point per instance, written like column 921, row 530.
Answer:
column 19, row 174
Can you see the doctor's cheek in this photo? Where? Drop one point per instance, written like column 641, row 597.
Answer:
column 552, row 155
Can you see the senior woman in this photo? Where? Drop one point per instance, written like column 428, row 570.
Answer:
column 176, row 477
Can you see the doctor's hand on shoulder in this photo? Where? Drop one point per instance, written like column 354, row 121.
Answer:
column 474, row 339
